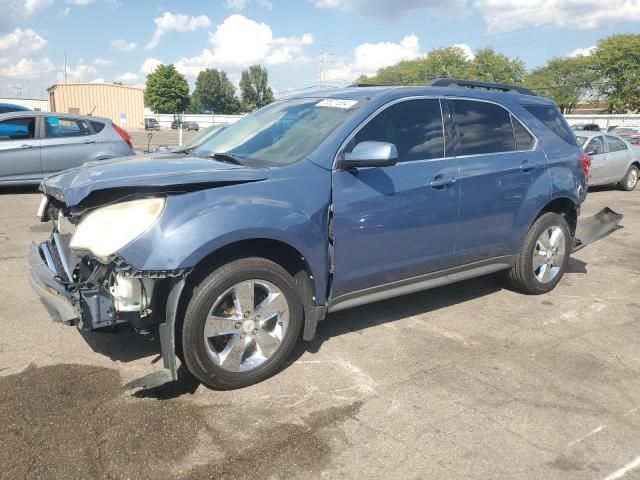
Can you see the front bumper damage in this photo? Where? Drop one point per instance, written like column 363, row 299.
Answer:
column 93, row 303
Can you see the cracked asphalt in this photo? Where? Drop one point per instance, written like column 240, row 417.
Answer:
column 466, row 381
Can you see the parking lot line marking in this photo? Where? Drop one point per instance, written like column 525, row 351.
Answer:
column 592, row 432
column 622, row 471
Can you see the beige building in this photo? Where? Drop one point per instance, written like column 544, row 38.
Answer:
column 123, row 105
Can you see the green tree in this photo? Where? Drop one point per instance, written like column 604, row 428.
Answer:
column 490, row 66
column 568, row 81
column 194, row 107
column 167, row 91
column 617, row 66
column 441, row 62
column 215, row 91
column 254, row 87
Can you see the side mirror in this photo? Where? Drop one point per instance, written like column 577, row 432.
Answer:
column 370, row 154
column 591, row 152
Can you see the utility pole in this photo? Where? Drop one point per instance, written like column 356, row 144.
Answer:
column 65, row 66
column 324, row 59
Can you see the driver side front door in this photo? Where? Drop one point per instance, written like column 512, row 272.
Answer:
column 394, row 223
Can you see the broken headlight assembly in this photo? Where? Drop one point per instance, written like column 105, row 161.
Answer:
column 106, row 230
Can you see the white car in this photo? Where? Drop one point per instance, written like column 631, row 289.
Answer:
column 613, row 159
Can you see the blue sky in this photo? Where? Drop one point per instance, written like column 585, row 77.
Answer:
column 108, row 40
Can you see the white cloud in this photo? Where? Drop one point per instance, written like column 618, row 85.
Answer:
column 101, row 61
column 79, row 2
column 176, row 22
column 121, row 45
column 65, row 11
column 238, row 5
column 26, row 67
column 149, row 65
column 387, row 10
column 12, row 11
column 82, row 73
column 468, row 52
column 21, row 42
column 369, row 57
column 128, row 78
column 505, row 15
column 240, row 42
column 582, row 52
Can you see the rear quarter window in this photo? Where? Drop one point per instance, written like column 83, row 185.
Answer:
column 97, row 126
column 553, row 119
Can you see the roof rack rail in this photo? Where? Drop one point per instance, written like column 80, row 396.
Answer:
column 502, row 87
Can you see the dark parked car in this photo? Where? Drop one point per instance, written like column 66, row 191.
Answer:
column 10, row 107
column 33, row 145
column 151, row 124
column 314, row 204
column 185, row 125
column 588, row 127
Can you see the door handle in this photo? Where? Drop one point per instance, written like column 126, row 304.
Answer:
column 87, row 142
column 527, row 167
column 25, row 147
column 440, row 182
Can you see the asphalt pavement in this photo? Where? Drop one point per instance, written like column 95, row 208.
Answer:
column 471, row 380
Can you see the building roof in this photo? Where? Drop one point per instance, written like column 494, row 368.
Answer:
column 86, row 84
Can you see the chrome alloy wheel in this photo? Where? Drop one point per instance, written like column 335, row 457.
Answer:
column 632, row 178
column 548, row 256
column 246, row 325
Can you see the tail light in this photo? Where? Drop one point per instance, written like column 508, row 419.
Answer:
column 585, row 163
column 127, row 138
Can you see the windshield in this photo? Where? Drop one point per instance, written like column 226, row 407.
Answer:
column 282, row 133
column 198, row 139
column 581, row 140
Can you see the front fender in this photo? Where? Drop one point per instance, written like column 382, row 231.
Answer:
column 291, row 207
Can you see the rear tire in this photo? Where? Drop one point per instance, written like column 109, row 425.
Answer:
column 543, row 257
column 630, row 180
column 241, row 324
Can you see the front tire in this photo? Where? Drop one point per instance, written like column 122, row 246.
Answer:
column 241, row 324
column 630, row 180
column 543, row 257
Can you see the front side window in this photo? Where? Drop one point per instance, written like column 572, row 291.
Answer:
column 413, row 126
column 483, row 128
column 56, row 127
column 615, row 144
column 595, row 145
column 282, row 133
column 18, row 129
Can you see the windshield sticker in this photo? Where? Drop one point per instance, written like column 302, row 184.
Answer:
column 336, row 103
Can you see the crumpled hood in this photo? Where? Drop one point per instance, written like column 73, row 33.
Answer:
column 145, row 172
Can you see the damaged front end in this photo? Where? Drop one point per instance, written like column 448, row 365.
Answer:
column 82, row 283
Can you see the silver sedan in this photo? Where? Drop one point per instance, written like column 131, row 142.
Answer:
column 613, row 159
column 34, row 145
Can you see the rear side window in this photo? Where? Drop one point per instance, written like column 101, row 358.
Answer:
column 65, row 127
column 524, row 140
column 17, row 129
column 595, row 145
column 413, row 126
column 551, row 117
column 97, row 126
column 483, row 127
column 615, row 144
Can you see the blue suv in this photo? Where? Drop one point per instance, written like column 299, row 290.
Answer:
column 316, row 203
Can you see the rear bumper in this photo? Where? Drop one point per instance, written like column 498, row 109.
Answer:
column 591, row 229
column 44, row 279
